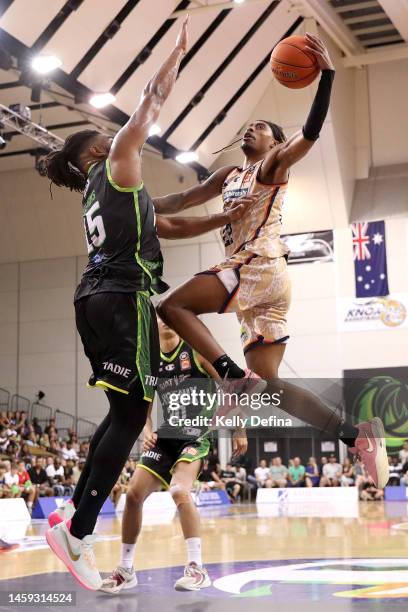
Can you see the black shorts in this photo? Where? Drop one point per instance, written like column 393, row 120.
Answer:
column 120, row 337
column 162, row 458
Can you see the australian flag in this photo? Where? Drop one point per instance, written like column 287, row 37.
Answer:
column 370, row 259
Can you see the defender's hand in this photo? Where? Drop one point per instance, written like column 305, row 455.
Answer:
column 239, row 445
column 182, row 38
column 149, row 441
column 319, row 50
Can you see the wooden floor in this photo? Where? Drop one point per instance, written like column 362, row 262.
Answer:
column 239, row 540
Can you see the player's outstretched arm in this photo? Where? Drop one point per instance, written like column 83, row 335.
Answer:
column 300, row 143
column 124, row 156
column 190, row 227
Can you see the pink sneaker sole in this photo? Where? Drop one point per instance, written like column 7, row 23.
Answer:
column 58, row 551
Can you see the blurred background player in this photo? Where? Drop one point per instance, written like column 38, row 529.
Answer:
column 172, row 457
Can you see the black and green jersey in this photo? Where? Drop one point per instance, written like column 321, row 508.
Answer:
column 123, row 247
column 180, row 373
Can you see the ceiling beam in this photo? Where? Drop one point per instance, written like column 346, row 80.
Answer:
column 332, row 24
column 377, row 57
column 398, row 13
column 215, row 7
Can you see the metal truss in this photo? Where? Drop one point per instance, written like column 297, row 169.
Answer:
column 28, row 128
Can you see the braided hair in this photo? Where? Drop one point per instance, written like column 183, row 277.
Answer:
column 62, row 167
column 277, row 131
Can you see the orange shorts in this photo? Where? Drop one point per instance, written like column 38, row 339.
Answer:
column 259, row 292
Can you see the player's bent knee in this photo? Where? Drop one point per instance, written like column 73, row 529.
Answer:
column 135, row 497
column 180, row 494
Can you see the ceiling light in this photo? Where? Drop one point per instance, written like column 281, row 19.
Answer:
column 45, row 63
column 239, row 1
column 187, row 157
column 154, row 130
column 3, row 143
column 102, row 99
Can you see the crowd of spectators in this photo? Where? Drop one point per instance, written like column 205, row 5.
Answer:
column 36, row 462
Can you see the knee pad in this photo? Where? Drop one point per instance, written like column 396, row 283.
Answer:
column 180, row 495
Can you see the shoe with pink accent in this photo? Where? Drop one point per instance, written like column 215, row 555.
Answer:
column 251, row 383
column 195, row 578
column 371, row 449
column 77, row 555
column 64, row 512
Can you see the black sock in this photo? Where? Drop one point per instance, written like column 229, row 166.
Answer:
column 347, row 433
column 226, row 368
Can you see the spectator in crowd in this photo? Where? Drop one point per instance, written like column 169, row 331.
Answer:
column 360, row 474
column 4, row 489
column 37, row 427
column 296, row 474
column 27, row 491
column 347, row 478
column 38, row 477
column 262, row 475
column 278, row 473
column 312, row 477
column 403, row 454
column 77, row 469
column 55, row 474
column 395, row 467
column 370, row 493
column 404, row 475
column 331, row 473
column 11, row 480
column 323, row 462
column 51, row 427
column 209, row 478
column 232, row 485
column 241, row 477
column 4, row 439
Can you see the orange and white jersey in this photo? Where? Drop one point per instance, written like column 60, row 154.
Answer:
column 259, row 229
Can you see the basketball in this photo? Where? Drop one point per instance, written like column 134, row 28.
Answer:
column 292, row 65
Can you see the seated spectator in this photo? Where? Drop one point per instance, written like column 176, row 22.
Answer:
column 360, row 474
column 39, row 478
column 331, row 473
column 241, row 477
column 296, row 474
column 11, row 480
column 312, row 477
column 4, row 439
column 4, row 488
column 77, row 469
column 369, row 492
column 27, row 490
column 37, row 427
column 51, row 427
column 209, row 478
column 404, row 475
column 395, row 472
column 56, row 476
column 278, row 473
column 403, row 454
column 262, row 475
column 232, row 485
column 323, row 462
column 347, row 478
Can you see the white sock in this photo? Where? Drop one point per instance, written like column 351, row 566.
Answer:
column 194, row 550
column 128, row 552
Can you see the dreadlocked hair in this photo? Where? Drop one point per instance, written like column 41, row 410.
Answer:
column 277, row 131
column 62, row 166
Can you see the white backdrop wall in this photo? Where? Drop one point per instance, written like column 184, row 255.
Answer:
column 39, row 348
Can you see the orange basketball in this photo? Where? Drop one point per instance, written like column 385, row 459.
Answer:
column 292, row 65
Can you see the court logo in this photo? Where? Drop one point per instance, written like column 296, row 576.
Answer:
column 344, row 578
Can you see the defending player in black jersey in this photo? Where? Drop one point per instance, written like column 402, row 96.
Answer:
column 114, row 316
column 172, row 458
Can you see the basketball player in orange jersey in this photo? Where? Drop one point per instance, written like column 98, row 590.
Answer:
column 253, row 280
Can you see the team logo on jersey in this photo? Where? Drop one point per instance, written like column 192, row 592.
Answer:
column 185, row 361
column 116, row 369
column 170, row 367
column 189, row 450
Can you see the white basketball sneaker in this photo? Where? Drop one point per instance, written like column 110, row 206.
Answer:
column 121, row 578
column 77, row 555
column 194, row 579
column 64, row 512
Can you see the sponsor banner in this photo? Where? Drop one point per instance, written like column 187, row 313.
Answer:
column 380, row 313
column 310, row 247
column 324, row 495
column 396, row 493
column 211, row 498
column 46, row 505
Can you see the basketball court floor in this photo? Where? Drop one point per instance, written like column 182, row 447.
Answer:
column 296, row 559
